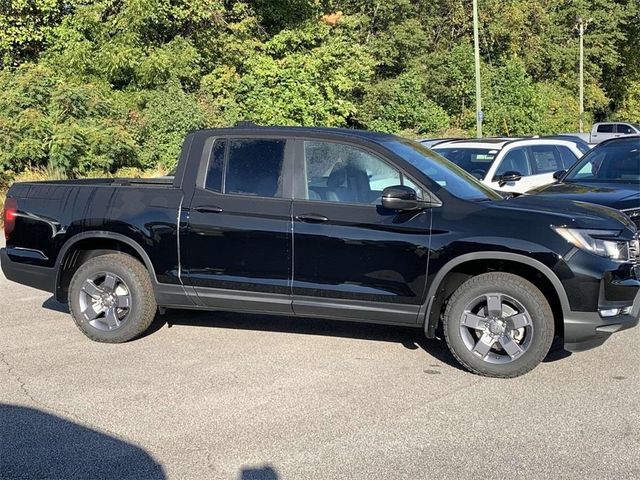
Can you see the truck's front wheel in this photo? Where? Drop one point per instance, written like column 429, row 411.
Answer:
column 498, row 325
column 111, row 298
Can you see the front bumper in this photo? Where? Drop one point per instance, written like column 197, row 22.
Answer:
column 586, row 330
column 42, row 278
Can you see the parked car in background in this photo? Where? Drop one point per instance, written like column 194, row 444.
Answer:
column 511, row 165
column 585, row 137
column 608, row 130
column 579, row 142
column 432, row 142
column 607, row 175
column 329, row 223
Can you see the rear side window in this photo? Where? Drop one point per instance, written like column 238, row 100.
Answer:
column 568, row 157
column 605, row 128
column 254, row 167
column 545, row 159
column 216, row 166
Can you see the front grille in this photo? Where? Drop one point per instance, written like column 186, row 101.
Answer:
column 634, row 215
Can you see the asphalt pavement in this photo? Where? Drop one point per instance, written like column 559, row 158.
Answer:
column 227, row 396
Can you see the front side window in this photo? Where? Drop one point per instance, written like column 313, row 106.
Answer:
column 337, row 172
column 615, row 162
column 624, row 129
column 254, row 167
column 514, row 161
column 605, row 128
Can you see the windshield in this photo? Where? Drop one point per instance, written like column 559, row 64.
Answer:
column 612, row 162
column 441, row 171
column 476, row 161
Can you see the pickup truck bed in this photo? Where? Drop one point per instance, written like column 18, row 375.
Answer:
column 136, row 211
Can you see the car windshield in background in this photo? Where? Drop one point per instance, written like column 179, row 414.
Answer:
column 474, row 160
column 616, row 162
column 446, row 174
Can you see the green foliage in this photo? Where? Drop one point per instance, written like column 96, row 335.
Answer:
column 168, row 115
column 47, row 122
column 104, row 86
column 403, row 104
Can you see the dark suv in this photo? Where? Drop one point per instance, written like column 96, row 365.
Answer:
column 330, row 223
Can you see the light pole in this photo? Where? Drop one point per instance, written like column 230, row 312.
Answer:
column 582, row 25
column 476, row 47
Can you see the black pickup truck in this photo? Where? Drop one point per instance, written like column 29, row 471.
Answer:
column 330, row 223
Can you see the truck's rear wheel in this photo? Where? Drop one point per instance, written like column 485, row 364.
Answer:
column 111, row 298
column 498, row 325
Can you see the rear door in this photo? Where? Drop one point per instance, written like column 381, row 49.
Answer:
column 236, row 251
column 535, row 163
column 352, row 258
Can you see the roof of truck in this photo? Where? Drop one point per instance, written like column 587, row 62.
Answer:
column 251, row 129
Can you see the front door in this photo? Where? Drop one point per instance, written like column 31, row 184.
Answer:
column 236, row 251
column 352, row 258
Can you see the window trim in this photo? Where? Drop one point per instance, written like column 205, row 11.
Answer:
column 208, row 162
column 300, row 174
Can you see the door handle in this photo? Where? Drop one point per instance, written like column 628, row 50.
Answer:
column 208, row 209
column 312, row 218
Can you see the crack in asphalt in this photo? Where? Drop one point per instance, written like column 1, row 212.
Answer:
column 16, row 376
column 56, row 410
column 13, row 373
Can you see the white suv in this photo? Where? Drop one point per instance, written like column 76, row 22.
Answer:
column 512, row 165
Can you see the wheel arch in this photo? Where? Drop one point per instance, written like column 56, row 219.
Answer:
column 94, row 241
column 456, row 271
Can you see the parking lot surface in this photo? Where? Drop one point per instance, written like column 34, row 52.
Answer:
column 228, row 396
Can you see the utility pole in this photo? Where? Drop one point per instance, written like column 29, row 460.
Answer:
column 582, row 25
column 476, row 46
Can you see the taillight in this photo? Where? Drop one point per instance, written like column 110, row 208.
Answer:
column 9, row 216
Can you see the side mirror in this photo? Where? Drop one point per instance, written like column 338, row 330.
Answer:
column 559, row 174
column 507, row 177
column 401, row 197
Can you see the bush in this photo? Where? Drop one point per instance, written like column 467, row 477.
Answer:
column 48, row 122
column 402, row 104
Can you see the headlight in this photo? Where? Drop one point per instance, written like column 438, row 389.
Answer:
column 600, row 242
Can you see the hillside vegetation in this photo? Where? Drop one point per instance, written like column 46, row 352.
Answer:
column 97, row 86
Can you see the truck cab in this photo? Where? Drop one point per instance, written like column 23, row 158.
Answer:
column 608, row 130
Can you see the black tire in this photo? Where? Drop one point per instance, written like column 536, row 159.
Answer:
column 135, row 277
column 508, row 286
